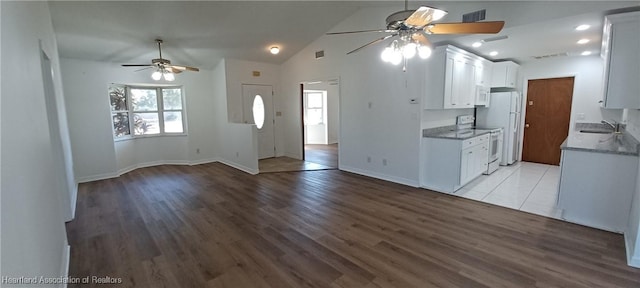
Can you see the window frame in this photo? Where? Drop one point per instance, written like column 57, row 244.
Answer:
column 160, row 112
column 321, row 108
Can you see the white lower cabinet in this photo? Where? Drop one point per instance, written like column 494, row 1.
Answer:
column 596, row 189
column 449, row 164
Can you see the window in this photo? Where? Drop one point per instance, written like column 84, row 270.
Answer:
column 144, row 111
column 258, row 111
column 315, row 107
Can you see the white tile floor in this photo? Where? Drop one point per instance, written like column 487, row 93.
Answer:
column 524, row 186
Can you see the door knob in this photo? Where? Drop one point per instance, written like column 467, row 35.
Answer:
column 526, row 125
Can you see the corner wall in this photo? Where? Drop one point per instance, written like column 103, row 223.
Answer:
column 98, row 156
column 34, row 241
column 237, row 142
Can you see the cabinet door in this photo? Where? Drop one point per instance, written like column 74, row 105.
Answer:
column 481, row 156
column 463, row 90
column 466, row 161
column 622, row 61
column 449, row 101
column 511, row 75
column 498, row 75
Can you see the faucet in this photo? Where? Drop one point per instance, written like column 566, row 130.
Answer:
column 615, row 125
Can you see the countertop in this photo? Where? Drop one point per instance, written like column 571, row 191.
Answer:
column 623, row 143
column 450, row 132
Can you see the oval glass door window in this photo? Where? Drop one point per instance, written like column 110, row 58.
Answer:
column 258, row 111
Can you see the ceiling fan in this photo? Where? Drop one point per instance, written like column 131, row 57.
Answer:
column 163, row 66
column 411, row 28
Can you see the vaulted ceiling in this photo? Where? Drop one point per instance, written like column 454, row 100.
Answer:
column 199, row 33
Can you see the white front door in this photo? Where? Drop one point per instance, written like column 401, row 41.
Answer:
column 258, row 109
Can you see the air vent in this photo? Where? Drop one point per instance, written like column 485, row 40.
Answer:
column 474, row 16
column 319, row 54
column 551, row 55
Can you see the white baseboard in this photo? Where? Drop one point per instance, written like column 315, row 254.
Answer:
column 151, row 164
column 394, row 179
column 204, row 161
column 239, row 167
column 66, row 261
column 97, row 177
column 633, row 260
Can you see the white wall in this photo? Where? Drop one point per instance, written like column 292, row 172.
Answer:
column 587, row 87
column 34, row 240
column 96, row 154
column 237, row 143
column 377, row 120
column 238, row 72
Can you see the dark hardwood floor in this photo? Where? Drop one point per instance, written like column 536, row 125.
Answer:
column 213, row 226
column 326, row 155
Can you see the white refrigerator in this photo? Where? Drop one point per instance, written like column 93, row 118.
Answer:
column 503, row 111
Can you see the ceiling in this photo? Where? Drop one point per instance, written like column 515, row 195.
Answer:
column 200, row 33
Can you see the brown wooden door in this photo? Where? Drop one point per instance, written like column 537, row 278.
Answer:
column 547, row 119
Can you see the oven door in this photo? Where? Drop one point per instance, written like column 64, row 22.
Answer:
column 493, row 146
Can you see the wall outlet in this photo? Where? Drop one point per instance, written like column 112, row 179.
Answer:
column 197, row 150
column 370, row 104
column 237, row 154
column 368, row 159
column 384, row 162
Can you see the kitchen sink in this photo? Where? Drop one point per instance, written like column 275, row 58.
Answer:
column 596, row 131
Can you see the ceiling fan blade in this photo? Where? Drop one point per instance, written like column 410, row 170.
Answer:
column 175, row 71
column 423, row 16
column 361, row 31
column 143, row 69
column 490, row 27
column 420, row 38
column 373, row 42
column 137, row 65
column 183, row 68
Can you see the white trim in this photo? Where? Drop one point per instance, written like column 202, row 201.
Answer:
column 74, row 200
column 66, row 261
column 150, row 164
column 204, row 161
column 394, row 179
column 239, row 167
column 97, row 177
column 632, row 259
column 157, row 163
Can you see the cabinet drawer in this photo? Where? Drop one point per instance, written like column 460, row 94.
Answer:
column 469, row 142
column 482, row 139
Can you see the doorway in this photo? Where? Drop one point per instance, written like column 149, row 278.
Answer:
column 320, row 122
column 257, row 108
column 548, row 113
column 57, row 151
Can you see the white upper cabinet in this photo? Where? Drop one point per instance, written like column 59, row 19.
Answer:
column 450, row 79
column 620, row 51
column 483, row 81
column 504, row 74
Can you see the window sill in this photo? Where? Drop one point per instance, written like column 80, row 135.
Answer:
column 149, row 136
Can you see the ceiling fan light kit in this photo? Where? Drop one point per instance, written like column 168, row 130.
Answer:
column 163, row 67
column 412, row 26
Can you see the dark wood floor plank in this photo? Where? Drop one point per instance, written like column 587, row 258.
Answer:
column 213, row 226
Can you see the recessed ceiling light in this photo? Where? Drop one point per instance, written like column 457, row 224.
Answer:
column 493, row 53
column 274, row 50
column 586, row 53
column 583, row 41
column 583, row 27
column 476, row 44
